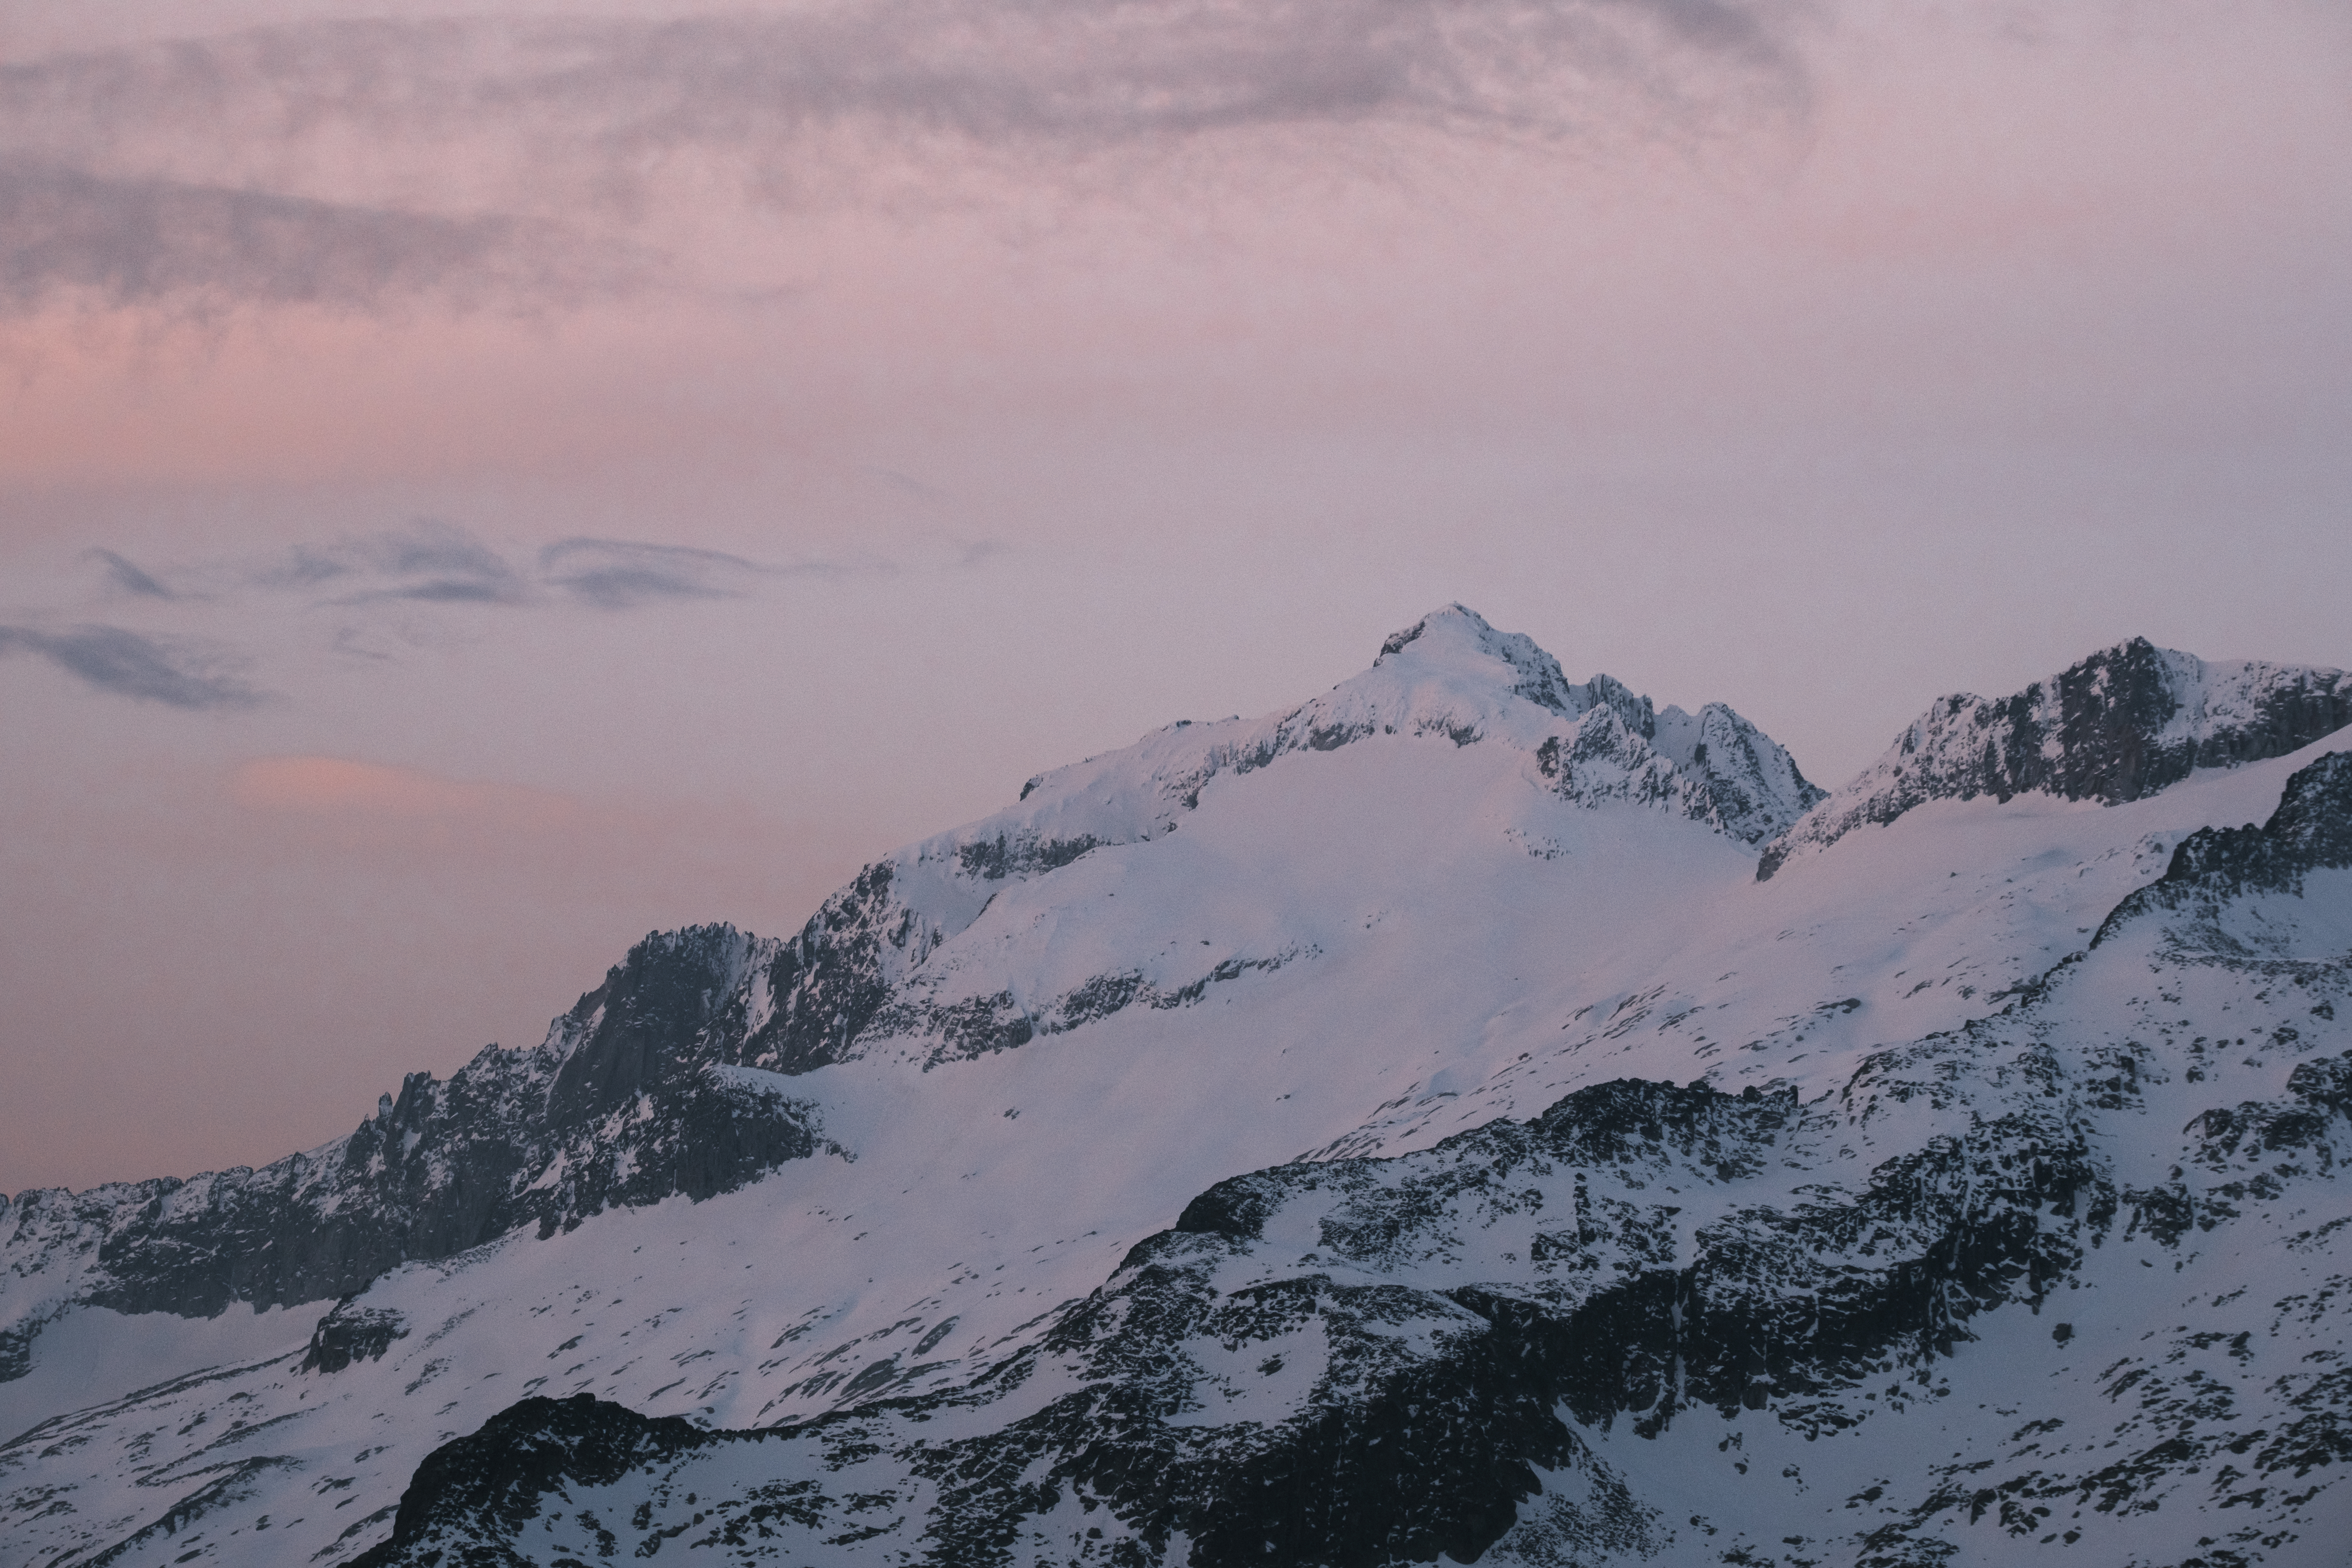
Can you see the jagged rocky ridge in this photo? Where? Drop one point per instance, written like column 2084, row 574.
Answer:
column 2310, row 831
column 2123, row 723
column 631, row 1098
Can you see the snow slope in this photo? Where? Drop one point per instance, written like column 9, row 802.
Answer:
column 1382, row 1005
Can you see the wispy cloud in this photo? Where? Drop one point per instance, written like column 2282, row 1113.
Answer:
column 429, row 562
column 619, row 574
column 225, row 165
column 426, row 562
column 141, row 239
column 129, row 577
column 379, row 588
column 126, row 664
column 337, row 786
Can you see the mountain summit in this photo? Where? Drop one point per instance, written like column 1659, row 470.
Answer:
column 1404, row 1128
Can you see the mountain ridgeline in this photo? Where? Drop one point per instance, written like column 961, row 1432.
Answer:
column 1416, row 1126
column 628, row 1100
column 2124, row 723
column 667, row 1079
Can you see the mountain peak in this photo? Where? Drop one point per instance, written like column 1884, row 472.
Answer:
column 1460, row 642
column 2118, row 725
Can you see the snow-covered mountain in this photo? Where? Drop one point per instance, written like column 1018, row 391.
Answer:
column 1404, row 1128
column 641, row 1091
column 2127, row 721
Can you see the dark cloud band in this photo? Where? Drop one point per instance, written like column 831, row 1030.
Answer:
column 426, row 562
column 434, row 562
column 126, row 664
column 133, row 240
column 130, row 577
column 617, row 575
column 173, row 170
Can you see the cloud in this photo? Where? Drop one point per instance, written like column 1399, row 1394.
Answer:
column 336, row 787
column 129, row 578
column 981, row 550
column 128, row 665
column 141, row 239
column 620, row 574
column 429, row 562
column 1081, row 73
column 438, row 563
column 426, row 562
column 320, row 802
column 226, row 166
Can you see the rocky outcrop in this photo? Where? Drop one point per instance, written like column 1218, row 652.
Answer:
column 1727, row 773
column 634, row 1097
column 826, row 983
column 2124, row 723
column 351, row 1334
column 502, row 1472
column 2310, row 831
column 1752, row 787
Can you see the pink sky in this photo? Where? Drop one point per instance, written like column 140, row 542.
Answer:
column 559, row 478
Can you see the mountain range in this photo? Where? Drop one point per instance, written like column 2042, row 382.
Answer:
column 1471, row 1116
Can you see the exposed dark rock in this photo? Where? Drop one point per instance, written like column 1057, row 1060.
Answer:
column 829, row 982
column 1003, row 855
column 1721, row 769
column 2309, row 1121
column 1235, row 1208
column 2124, row 723
column 629, row 1101
column 2310, row 831
column 493, row 1480
column 982, row 1025
column 1752, row 785
column 351, row 1334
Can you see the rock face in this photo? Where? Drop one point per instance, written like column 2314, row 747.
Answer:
column 1400, row 1130
column 2310, row 831
column 352, row 1333
column 629, row 1100
column 2124, row 723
